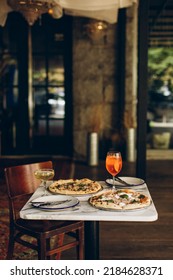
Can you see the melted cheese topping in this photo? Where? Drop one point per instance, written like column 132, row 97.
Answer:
column 120, row 199
column 77, row 186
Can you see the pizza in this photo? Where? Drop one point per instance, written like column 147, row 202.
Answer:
column 75, row 186
column 122, row 199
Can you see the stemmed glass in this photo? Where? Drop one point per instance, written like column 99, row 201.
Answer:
column 113, row 164
column 44, row 174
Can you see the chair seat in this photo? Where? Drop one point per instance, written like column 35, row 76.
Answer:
column 45, row 226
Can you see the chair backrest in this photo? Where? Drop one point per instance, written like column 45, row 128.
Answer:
column 21, row 183
column 20, row 180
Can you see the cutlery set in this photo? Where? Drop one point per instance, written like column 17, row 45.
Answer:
column 48, row 203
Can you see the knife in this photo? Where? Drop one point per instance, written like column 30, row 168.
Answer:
column 118, row 179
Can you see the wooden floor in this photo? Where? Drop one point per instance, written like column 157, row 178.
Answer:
column 138, row 240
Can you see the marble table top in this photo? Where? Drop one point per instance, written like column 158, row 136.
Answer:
column 84, row 211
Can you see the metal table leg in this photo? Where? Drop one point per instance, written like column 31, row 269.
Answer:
column 92, row 240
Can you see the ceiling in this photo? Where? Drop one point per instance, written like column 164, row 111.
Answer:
column 161, row 23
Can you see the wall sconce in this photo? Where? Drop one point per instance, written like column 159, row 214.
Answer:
column 96, row 29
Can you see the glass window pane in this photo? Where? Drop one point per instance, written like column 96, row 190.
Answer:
column 56, row 70
column 9, row 79
column 56, row 127
column 49, row 111
column 39, row 71
column 56, row 99
column 38, row 42
column 41, row 108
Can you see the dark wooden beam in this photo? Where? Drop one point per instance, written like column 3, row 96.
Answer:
column 159, row 12
column 22, row 113
column 121, row 31
column 68, row 125
column 142, row 88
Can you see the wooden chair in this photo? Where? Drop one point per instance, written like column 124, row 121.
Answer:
column 21, row 183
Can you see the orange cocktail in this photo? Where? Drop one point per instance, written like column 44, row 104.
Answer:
column 113, row 163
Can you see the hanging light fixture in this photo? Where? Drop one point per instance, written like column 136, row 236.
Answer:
column 33, row 9
column 96, row 29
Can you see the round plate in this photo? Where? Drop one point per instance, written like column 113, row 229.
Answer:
column 133, row 181
column 55, row 202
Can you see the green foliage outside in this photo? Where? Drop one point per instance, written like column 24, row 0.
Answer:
column 160, row 68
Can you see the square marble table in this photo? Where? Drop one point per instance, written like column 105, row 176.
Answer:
column 84, row 211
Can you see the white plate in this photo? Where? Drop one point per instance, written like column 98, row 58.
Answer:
column 130, row 180
column 57, row 202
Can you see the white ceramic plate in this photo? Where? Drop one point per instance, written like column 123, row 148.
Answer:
column 130, row 180
column 57, row 202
